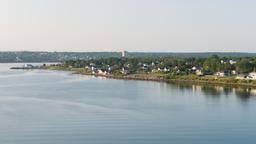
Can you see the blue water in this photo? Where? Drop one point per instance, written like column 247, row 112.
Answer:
column 50, row 107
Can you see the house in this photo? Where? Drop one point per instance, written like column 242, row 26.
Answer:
column 194, row 68
column 28, row 66
column 223, row 62
column 93, row 68
column 234, row 72
column 252, row 76
column 222, row 74
column 166, row 69
column 199, row 72
column 163, row 69
column 144, row 67
column 232, row 62
column 87, row 67
column 101, row 72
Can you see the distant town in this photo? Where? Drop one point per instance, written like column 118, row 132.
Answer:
column 213, row 69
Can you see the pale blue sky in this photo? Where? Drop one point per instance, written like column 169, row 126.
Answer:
column 133, row 25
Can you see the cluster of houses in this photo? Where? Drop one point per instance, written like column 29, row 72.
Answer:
column 153, row 68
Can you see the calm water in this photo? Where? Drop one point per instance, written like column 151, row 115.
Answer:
column 46, row 107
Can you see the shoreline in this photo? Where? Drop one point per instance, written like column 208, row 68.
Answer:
column 145, row 77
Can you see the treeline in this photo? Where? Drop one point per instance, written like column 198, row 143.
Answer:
column 26, row 56
column 19, row 57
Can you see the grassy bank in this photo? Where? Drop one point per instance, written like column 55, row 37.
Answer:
column 193, row 79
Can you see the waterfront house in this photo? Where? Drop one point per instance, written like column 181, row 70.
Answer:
column 199, row 72
column 232, row 62
column 165, row 69
column 234, row 72
column 102, row 72
column 29, row 66
column 222, row 74
column 252, row 76
column 194, row 68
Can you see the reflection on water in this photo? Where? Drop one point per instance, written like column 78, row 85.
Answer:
column 217, row 91
column 45, row 107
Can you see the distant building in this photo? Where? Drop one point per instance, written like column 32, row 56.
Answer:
column 222, row 74
column 165, row 69
column 199, row 72
column 232, row 62
column 124, row 53
column 102, row 72
column 234, row 72
column 28, row 66
column 252, row 76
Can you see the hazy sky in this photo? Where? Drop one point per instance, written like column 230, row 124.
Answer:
column 133, row 25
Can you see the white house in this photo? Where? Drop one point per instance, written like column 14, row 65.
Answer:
column 199, row 72
column 28, row 66
column 232, row 62
column 234, row 72
column 194, row 68
column 221, row 74
column 166, row 69
column 252, row 75
column 101, row 72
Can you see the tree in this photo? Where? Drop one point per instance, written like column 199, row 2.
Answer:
column 244, row 66
column 212, row 64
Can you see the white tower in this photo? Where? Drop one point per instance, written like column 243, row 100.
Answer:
column 124, row 53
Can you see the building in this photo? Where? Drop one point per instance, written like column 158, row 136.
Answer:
column 252, row 76
column 28, row 66
column 222, row 74
column 199, row 72
column 234, row 72
column 163, row 69
column 124, row 53
column 232, row 62
column 102, row 72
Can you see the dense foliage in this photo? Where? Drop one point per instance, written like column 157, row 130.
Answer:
column 63, row 56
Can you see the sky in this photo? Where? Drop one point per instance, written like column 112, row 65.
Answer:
column 132, row 25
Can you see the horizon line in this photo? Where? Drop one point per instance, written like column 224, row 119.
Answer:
column 129, row 51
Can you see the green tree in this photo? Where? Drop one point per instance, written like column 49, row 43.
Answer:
column 244, row 65
column 212, row 64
